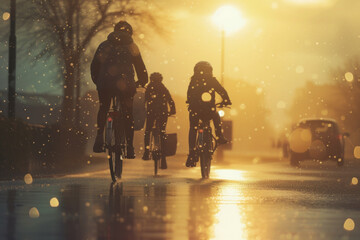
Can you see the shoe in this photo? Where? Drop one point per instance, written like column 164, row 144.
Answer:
column 191, row 160
column 146, row 155
column 99, row 144
column 130, row 153
column 163, row 164
column 222, row 140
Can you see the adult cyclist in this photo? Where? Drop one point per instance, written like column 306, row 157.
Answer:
column 112, row 71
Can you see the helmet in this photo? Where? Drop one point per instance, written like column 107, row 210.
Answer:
column 123, row 26
column 203, row 67
column 156, row 77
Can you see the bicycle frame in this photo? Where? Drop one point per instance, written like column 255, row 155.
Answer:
column 115, row 132
column 204, row 129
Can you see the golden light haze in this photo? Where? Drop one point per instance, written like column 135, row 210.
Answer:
column 283, row 44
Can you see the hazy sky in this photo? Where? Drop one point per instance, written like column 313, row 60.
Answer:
column 284, row 44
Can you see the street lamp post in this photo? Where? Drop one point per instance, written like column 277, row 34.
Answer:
column 228, row 19
column 222, row 56
column 12, row 61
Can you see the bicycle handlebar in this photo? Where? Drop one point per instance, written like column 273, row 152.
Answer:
column 222, row 105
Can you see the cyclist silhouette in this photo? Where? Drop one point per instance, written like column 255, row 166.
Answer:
column 113, row 74
column 201, row 100
column 157, row 98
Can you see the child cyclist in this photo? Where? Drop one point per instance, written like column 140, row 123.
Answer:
column 201, row 100
column 157, row 98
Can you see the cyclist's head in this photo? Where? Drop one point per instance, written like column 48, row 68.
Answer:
column 156, row 77
column 203, row 68
column 123, row 26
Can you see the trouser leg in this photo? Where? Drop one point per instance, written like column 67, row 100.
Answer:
column 104, row 99
column 149, row 124
column 161, row 125
column 127, row 107
column 217, row 123
column 192, row 132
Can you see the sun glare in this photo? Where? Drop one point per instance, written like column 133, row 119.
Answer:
column 312, row 2
column 228, row 19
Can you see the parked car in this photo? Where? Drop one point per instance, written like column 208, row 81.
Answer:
column 316, row 139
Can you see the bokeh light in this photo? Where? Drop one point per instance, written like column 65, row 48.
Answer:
column 300, row 69
column 54, row 202
column 206, row 97
column 354, row 181
column 34, row 213
column 349, row 224
column 349, row 77
column 28, row 178
column 6, row 16
column 300, row 140
column 357, row 152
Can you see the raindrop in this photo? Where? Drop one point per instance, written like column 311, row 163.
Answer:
column 357, row 152
column 206, row 97
column 324, row 112
column 233, row 112
column 34, row 213
column 349, row 224
column 281, row 105
column 28, row 179
column 349, row 77
column 145, row 209
column 6, row 16
column 54, row 202
column 354, row 181
column 299, row 69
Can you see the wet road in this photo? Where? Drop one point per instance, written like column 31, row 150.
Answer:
column 247, row 199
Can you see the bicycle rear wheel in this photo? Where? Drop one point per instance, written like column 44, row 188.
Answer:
column 205, row 164
column 205, row 154
column 156, row 157
column 114, row 152
column 155, row 151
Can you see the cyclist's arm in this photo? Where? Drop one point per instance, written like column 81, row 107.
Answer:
column 96, row 64
column 221, row 91
column 139, row 65
column 171, row 102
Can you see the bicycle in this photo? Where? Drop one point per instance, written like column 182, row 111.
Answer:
column 206, row 144
column 156, row 147
column 115, row 142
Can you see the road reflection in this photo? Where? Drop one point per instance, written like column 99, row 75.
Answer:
column 229, row 218
column 138, row 209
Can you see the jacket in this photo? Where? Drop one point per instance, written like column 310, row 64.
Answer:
column 201, row 94
column 157, row 98
column 113, row 64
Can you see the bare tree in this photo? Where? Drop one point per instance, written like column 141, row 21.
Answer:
column 65, row 28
